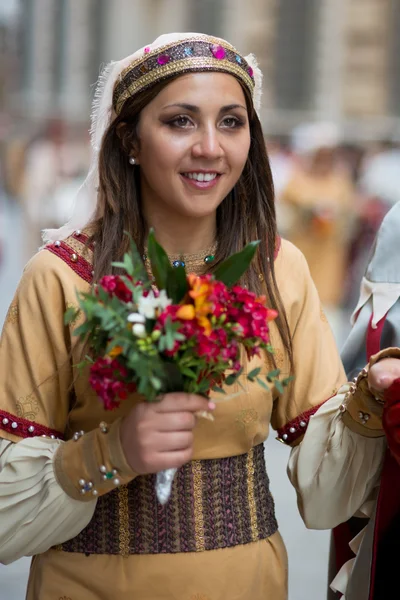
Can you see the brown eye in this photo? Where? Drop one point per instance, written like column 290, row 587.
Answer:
column 232, row 122
column 182, row 122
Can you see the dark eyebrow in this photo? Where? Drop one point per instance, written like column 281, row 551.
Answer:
column 189, row 107
column 195, row 109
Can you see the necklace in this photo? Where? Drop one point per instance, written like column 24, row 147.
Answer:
column 194, row 263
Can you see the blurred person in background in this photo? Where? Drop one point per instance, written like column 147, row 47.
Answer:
column 281, row 161
column 377, row 175
column 54, row 167
column 318, row 206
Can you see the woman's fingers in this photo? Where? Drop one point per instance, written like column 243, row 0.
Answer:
column 383, row 374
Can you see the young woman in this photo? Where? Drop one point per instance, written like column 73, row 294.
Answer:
column 177, row 145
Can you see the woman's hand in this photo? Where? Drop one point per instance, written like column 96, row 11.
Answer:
column 157, row 436
column 383, row 374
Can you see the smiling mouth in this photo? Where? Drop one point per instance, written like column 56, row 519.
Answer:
column 201, row 180
column 201, row 176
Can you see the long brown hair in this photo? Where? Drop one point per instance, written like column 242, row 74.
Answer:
column 246, row 214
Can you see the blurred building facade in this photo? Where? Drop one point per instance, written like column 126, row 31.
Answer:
column 322, row 59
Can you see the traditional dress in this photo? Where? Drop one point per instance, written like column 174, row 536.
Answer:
column 368, row 572
column 69, row 498
column 220, row 519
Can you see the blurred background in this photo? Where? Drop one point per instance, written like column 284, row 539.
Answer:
column 331, row 116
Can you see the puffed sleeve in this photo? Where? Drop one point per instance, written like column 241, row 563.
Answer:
column 35, row 512
column 48, row 487
column 337, row 439
column 318, row 371
column 35, row 364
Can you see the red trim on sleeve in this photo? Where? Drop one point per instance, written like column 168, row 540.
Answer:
column 24, row 428
column 290, row 432
column 81, row 266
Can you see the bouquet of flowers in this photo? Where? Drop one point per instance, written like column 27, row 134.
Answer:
column 182, row 332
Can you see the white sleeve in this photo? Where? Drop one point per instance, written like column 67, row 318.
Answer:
column 35, row 513
column 334, row 470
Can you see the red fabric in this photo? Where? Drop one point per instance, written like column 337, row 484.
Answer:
column 22, row 427
column 388, row 505
column 391, row 418
column 290, row 432
column 81, row 266
column 373, row 339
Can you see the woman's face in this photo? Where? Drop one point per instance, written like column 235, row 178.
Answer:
column 194, row 141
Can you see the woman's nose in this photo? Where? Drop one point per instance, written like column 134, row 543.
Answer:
column 208, row 144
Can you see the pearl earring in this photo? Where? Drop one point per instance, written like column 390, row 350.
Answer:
column 132, row 160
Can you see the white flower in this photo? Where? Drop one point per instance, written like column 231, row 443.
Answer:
column 136, row 318
column 139, row 330
column 149, row 306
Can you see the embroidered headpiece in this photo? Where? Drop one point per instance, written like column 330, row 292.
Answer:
column 170, row 54
column 193, row 54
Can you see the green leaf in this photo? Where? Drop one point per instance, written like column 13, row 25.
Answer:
column 273, row 375
column 263, row 384
column 140, row 270
column 279, row 386
column 254, row 373
column 177, row 285
column 232, row 269
column 188, row 372
column 160, row 265
column 71, row 314
column 232, row 378
column 156, row 383
column 218, row 390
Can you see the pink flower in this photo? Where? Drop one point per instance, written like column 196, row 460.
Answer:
column 147, row 50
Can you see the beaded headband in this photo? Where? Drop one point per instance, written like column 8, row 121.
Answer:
column 194, row 54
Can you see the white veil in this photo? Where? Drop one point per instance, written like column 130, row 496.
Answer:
column 84, row 205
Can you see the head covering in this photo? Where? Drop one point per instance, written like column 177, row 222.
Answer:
column 169, row 55
column 310, row 137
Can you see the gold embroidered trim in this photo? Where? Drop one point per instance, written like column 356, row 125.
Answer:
column 250, row 493
column 13, row 314
column 163, row 49
column 198, row 506
column 80, row 249
column 182, row 66
column 123, row 506
column 27, row 407
column 247, row 417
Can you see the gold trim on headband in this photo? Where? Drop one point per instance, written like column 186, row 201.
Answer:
column 191, row 55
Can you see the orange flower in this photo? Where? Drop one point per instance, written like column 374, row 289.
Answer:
column 114, row 352
column 201, row 308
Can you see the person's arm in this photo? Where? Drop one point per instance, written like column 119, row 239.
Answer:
column 337, row 466
column 332, row 466
column 36, row 510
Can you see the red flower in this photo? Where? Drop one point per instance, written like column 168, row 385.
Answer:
column 115, row 286
column 107, row 379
